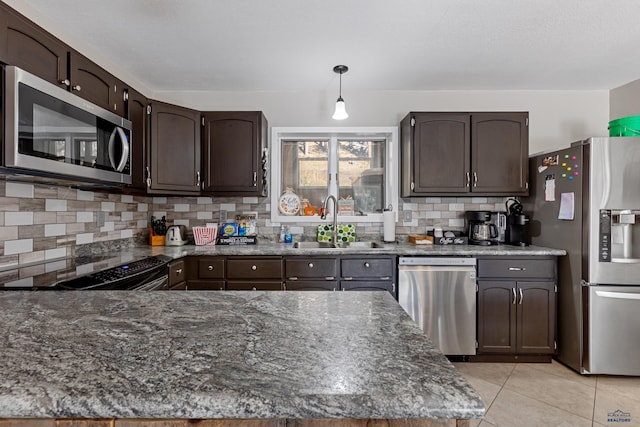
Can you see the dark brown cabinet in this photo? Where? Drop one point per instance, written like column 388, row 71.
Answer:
column 368, row 274
column 311, row 274
column 136, row 112
column 177, row 274
column 174, row 150
column 96, row 85
column 464, row 153
column 205, row 273
column 254, row 273
column 517, row 306
column 234, row 153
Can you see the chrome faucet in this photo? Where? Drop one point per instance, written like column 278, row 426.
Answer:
column 334, row 233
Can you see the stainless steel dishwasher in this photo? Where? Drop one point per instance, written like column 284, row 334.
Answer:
column 440, row 296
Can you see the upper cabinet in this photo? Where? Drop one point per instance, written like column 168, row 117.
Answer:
column 27, row 46
column 136, row 112
column 461, row 153
column 174, row 150
column 96, row 85
column 234, row 153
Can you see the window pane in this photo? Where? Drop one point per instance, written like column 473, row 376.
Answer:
column 305, row 169
column 361, row 173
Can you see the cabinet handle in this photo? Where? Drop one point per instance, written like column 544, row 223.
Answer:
column 178, row 271
column 284, row 286
column 198, row 179
column 513, row 291
column 329, row 277
column 310, row 265
column 254, row 288
column 255, row 179
column 367, row 265
column 385, row 278
column 517, row 269
column 65, row 82
column 468, row 179
column 475, row 179
column 254, row 267
column 393, row 287
column 77, row 88
column 521, row 296
column 125, row 95
column 148, row 177
column 210, row 267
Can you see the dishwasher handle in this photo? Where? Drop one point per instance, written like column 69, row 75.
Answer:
column 443, row 261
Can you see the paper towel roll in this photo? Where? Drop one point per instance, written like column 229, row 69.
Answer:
column 389, row 220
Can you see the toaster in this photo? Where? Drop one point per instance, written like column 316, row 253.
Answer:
column 176, row 236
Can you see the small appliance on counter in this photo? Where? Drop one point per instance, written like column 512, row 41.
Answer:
column 480, row 228
column 176, row 236
column 517, row 224
column 499, row 219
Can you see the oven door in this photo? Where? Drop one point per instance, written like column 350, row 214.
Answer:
column 52, row 131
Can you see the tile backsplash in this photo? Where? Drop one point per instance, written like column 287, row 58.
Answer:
column 40, row 222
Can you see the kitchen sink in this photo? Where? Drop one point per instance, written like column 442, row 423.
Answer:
column 338, row 245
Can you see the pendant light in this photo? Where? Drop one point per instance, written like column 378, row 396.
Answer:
column 341, row 112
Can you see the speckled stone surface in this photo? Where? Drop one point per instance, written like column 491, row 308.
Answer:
column 222, row 355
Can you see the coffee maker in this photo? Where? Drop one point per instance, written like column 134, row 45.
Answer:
column 517, row 224
column 480, row 228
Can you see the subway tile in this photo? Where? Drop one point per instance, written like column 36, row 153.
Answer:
column 55, row 265
column 433, row 214
column 31, row 205
column 84, row 238
column 9, row 204
column 55, row 230
column 55, row 253
column 126, row 198
column 159, row 200
column 204, row 200
column 16, row 189
column 30, row 231
column 250, row 200
column 125, row 234
column 108, row 226
column 8, row 261
column 204, row 215
column 143, row 207
column 456, row 206
column 84, row 217
column 126, row 216
column 44, row 217
column 142, row 223
column 18, row 218
column 181, row 207
column 9, row 233
column 108, row 207
column 42, row 192
column 55, row 205
column 456, row 223
column 87, row 196
column 229, row 207
column 12, row 247
column 45, row 243
column 433, row 200
column 184, row 222
column 26, row 282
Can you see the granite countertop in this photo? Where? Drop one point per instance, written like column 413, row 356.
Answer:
column 48, row 274
column 222, row 355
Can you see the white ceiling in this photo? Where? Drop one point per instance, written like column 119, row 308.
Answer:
column 292, row 45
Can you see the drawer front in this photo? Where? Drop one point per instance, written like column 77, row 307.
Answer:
column 211, row 268
column 254, row 286
column 254, row 268
column 205, row 285
column 516, row 268
column 311, row 285
column 364, row 285
column 311, row 268
column 177, row 272
column 356, row 268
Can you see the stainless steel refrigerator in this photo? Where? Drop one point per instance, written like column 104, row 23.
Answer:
column 586, row 199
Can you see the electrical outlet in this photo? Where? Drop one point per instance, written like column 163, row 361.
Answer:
column 100, row 217
column 407, row 216
column 223, row 216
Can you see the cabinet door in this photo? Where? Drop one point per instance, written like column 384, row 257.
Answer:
column 258, row 285
column 137, row 114
column 233, row 160
column 500, row 151
column 311, row 268
column 174, row 149
column 536, row 317
column 205, row 285
column 254, row 268
column 311, row 285
column 362, row 268
column 441, row 153
column 95, row 84
column 496, row 316
column 368, row 285
column 27, row 46
column 177, row 273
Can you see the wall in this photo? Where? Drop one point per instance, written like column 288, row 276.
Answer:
column 625, row 100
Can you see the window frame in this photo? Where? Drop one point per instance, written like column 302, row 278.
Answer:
column 279, row 134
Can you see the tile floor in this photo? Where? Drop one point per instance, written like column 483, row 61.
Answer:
column 550, row 394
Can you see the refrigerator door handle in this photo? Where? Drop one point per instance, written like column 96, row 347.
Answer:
column 619, row 295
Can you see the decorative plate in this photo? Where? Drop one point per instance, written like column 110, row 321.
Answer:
column 289, row 203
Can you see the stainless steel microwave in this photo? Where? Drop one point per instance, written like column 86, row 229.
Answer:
column 52, row 132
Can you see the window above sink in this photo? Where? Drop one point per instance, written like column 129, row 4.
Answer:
column 356, row 164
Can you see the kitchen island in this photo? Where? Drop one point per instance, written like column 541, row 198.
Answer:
column 282, row 357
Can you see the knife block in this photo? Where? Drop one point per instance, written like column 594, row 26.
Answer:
column 155, row 240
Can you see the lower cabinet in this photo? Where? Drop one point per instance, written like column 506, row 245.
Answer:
column 254, row 273
column 311, row 274
column 177, row 274
column 369, row 274
column 517, row 306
